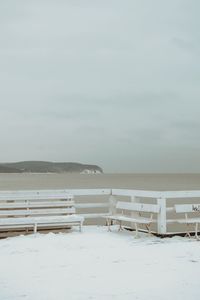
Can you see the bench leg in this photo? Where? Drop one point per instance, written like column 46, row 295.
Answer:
column 149, row 229
column 35, row 228
column 80, row 226
column 108, row 224
column 196, row 231
column 188, row 231
column 136, row 230
column 120, row 226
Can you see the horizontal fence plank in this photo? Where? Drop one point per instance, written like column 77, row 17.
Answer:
column 36, row 192
column 32, row 197
column 94, row 215
column 91, row 205
column 54, row 193
column 157, row 194
column 89, row 192
column 172, row 221
column 170, row 209
column 181, row 194
column 93, row 192
column 136, row 193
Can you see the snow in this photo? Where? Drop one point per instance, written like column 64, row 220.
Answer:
column 100, row 265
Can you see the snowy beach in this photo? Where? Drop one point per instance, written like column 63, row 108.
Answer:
column 97, row 264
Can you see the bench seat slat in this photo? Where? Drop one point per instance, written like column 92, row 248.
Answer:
column 186, row 208
column 36, row 204
column 40, row 220
column 138, row 207
column 129, row 219
column 28, row 212
column 189, row 221
column 45, row 225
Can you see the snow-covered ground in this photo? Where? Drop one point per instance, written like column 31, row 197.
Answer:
column 97, row 264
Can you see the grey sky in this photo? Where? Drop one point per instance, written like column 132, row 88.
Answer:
column 110, row 82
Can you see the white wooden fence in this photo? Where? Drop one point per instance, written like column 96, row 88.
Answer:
column 103, row 201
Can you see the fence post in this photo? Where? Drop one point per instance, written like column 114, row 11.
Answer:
column 162, row 216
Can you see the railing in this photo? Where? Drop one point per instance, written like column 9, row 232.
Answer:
column 94, row 203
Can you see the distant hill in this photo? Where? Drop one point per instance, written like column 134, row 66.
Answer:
column 48, row 167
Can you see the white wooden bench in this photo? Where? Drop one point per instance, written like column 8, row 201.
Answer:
column 135, row 210
column 37, row 209
column 192, row 216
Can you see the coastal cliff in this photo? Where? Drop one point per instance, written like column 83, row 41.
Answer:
column 49, row 167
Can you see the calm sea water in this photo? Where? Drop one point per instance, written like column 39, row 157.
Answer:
column 132, row 181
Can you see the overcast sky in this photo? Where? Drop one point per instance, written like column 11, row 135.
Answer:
column 111, row 82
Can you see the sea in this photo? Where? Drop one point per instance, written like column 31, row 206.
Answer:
column 158, row 182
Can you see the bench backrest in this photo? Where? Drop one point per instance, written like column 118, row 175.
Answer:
column 36, row 203
column 138, row 207
column 187, row 208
